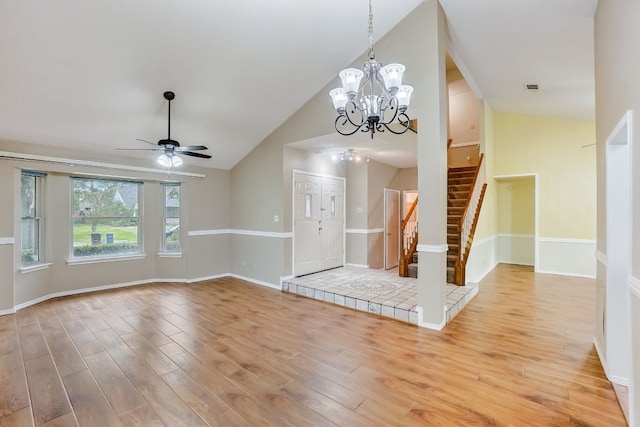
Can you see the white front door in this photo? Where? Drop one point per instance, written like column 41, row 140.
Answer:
column 391, row 228
column 318, row 223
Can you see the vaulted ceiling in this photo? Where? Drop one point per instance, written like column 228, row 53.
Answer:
column 89, row 76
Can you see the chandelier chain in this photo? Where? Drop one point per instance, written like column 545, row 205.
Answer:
column 371, row 54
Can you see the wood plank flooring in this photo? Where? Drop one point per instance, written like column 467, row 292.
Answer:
column 229, row 353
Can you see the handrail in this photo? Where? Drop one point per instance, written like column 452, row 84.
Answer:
column 408, row 240
column 467, row 223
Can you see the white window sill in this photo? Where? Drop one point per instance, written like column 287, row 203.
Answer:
column 34, row 267
column 94, row 260
column 170, row 255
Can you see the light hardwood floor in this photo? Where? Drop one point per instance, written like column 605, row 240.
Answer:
column 229, row 353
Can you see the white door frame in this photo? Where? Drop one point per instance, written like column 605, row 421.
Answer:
column 617, row 324
column 536, row 186
column 386, row 222
column 293, row 213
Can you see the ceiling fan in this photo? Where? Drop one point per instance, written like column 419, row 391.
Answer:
column 171, row 147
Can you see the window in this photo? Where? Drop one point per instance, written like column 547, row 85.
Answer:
column 31, row 226
column 171, row 224
column 106, row 217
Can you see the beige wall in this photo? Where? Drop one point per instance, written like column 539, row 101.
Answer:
column 617, row 91
column 205, row 203
column 467, row 155
column 553, row 148
column 464, row 113
column 516, row 206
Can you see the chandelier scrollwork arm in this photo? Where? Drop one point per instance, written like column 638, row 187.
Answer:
column 376, row 92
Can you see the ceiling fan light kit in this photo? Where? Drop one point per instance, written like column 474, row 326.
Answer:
column 361, row 107
column 171, row 148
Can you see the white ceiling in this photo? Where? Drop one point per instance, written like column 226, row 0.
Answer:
column 90, row 75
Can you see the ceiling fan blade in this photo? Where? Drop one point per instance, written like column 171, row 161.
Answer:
column 192, row 154
column 192, row 148
column 148, row 142
column 139, row 149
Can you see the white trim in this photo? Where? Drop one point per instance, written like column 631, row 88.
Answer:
column 515, row 176
column 435, row 249
column 34, row 267
column 257, row 282
column 7, row 240
column 562, row 240
column 564, row 273
column 603, row 361
column 208, row 232
column 612, row 378
column 601, row 257
column 464, row 144
column 169, row 254
column 95, row 260
column 83, row 291
column 634, row 286
column 364, row 230
column 74, row 162
column 129, row 284
column 203, row 278
column 275, row 234
column 256, row 233
column 322, row 175
column 436, row 327
column 357, row 265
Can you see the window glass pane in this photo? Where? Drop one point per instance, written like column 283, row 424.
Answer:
column 307, row 205
column 171, row 238
column 172, row 201
column 30, row 222
column 30, row 241
column 28, row 193
column 333, row 205
column 105, row 217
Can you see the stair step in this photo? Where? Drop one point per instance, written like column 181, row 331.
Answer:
column 459, row 180
column 412, row 269
column 462, row 170
column 459, row 187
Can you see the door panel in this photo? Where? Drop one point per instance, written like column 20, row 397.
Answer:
column 391, row 228
column 307, row 237
column 318, row 223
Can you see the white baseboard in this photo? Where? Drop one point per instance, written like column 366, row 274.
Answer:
column 128, row 284
column 256, row 281
column 348, row 264
column 428, row 325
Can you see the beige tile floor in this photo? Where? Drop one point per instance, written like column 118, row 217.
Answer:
column 381, row 292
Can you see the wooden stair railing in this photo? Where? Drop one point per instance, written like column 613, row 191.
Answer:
column 467, row 223
column 408, row 239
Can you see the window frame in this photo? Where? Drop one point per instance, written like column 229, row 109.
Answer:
column 36, row 218
column 165, row 208
column 137, row 216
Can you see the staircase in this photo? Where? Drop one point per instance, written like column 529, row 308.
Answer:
column 465, row 192
column 459, row 182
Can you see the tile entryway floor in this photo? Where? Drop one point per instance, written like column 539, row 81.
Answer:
column 381, row 292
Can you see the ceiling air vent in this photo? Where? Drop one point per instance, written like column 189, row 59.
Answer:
column 531, row 87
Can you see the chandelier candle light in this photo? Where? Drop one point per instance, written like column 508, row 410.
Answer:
column 373, row 111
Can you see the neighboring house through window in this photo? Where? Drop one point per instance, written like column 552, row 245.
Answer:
column 171, row 229
column 106, row 217
column 31, row 225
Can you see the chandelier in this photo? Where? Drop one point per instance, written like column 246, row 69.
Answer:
column 361, row 107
